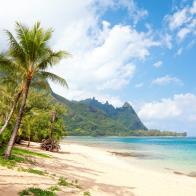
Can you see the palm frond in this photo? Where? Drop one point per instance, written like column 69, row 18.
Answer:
column 4, row 93
column 47, row 35
column 39, row 82
column 54, row 78
column 51, row 59
column 8, row 65
column 15, row 49
column 5, row 62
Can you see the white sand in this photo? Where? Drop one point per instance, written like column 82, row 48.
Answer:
column 100, row 172
column 116, row 172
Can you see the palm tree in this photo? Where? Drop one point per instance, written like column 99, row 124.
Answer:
column 30, row 52
column 9, row 81
column 9, row 116
column 6, row 98
column 12, row 77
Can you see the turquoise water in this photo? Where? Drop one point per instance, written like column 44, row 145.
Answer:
column 161, row 152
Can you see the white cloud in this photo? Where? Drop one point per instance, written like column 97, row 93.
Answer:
column 104, row 59
column 167, row 40
column 178, row 18
column 136, row 13
column 165, row 80
column 103, row 55
column 176, row 113
column 56, row 14
column 139, row 85
column 183, row 21
column 158, row 64
column 183, row 33
column 166, row 108
column 103, row 64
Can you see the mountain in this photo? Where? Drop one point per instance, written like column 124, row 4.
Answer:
column 124, row 115
column 91, row 117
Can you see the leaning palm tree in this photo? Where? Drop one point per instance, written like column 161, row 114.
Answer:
column 9, row 116
column 30, row 52
column 12, row 78
column 9, row 81
column 5, row 100
column 14, row 87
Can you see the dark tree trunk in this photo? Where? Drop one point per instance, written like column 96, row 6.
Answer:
column 29, row 141
column 11, row 112
column 52, row 120
column 18, row 120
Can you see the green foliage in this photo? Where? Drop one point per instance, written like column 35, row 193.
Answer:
column 18, row 156
column 33, row 171
column 86, row 193
column 63, row 181
column 154, row 133
column 19, row 151
column 5, row 136
column 36, row 122
column 12, row 161
column 26, row 63
column 54, row 188
column 36, row 192
column 90, row 117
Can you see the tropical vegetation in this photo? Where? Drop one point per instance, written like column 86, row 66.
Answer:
column 26, row 111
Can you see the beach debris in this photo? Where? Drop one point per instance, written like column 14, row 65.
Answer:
column 50, row 145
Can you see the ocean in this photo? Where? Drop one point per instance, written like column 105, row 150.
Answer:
column 170, row 153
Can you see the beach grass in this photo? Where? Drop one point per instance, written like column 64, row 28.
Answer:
column 86, row 193
column 33, row 171
column 63, row 181
column 20, row 151
column 12, row 161
column 36, row 192
column 19, row 156
column 54, row 188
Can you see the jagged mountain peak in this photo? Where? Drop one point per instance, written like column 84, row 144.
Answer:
column 91, row 117
column 126, row 105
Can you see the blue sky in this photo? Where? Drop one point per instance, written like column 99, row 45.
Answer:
column 181, row 67
column 122, row 50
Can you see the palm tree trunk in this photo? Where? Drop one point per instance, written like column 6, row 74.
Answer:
column 53, row 118
column 29, row 141
column 18, row 120
column 11, row 112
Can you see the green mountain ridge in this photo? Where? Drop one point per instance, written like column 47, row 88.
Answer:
column 91, row 117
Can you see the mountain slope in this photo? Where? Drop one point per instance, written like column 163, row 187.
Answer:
column 90, row 117
column 125, row 115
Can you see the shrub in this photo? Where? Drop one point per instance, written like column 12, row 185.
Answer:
column 63, row 181
column 36, row 192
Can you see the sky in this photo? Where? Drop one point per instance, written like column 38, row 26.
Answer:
column 139, row 51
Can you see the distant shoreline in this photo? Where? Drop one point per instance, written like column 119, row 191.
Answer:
column 128, row 136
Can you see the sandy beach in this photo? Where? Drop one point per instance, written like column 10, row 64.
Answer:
column 99, row 172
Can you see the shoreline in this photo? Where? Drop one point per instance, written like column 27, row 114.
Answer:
column 101, row 173
column 147, row 153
